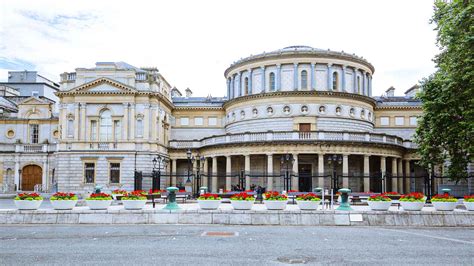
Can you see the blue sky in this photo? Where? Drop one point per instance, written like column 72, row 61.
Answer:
column 193, row 42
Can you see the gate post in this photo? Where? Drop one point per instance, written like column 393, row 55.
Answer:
column 138, row 181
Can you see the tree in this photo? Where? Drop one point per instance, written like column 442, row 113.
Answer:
column 445, row 130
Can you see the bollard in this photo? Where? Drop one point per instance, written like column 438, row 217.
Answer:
column 98, row 189
column 172, row 205
column 345, row 205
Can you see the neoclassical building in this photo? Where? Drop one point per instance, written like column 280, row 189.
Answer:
column 296, row 118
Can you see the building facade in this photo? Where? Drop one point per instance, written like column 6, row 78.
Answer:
column 293, row 119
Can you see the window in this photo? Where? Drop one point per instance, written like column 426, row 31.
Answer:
column 139, row 127
column 305, row 127
column 272, row 81
column 304, row 79
column 198, row 121
column 322, row 109
column 334, row 81
column 89, row 172
column 70, row 128
column 106, row 125
column 399, row 120
column 117, row 129
column 34, row 133
column 358, row 84
column 212, row 121
column 35, row 93
column 384, row 120
column 246, row 86
column 114, row 173
column 93, row 130
column 184, row 121
column 413, row 120
column 338, row 110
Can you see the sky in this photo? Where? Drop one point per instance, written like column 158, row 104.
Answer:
column 193, row 42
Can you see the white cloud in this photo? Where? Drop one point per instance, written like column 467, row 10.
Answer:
column 193, row 42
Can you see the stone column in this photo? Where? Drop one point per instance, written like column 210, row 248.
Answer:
column 321, row 170
column 146, row 122
column 383, row 170
column 363, row 82
column 345, row 171
column 355, row 81
column 173, row 172
column 295, row 76
column 343, row 78
column 366, row 173
column 400, row 175
column 407, row 176
column 17, row 172
column 294, row 178
column 329, row 78
column 44, row 177
column 132, row 124
column 270, row 172
column 247, row 172
column 394, row 175
column 205, row 169
column 228, row 169
column 263, row 79
column 239, row 86
column 83, row 123
column 313, row 83
column 278, row 78
column 228, row 89
column 232, row 89
column 214, row 174
column 76, row 121
column 125, row 121
column 250, row 81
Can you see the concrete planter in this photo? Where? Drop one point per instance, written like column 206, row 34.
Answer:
column 469, row 206
column 28, row 204
column 209, row 204
column 379, row 205
column 412, row 205
column 275, row 204
column 133, row 204
column 242, row 204
column 98, row 204
column 308, row 205
column 63, row 204
column 444, row 206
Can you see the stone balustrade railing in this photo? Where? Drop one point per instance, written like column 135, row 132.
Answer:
column 292, row 136
column 29, row 148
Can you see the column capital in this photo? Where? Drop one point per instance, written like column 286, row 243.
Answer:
column 269, row 154
column 344, row 67
column 295, row 64
column 313, row 63
column 249, row 70
column 262, row 67
column 329, row 64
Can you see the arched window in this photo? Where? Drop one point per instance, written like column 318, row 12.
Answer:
column 272, row 81
column 246, row 86
column 105, row 131
column 304, row 79
column 334, row 81
column 358, row 84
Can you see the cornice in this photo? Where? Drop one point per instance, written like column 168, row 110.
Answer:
column 396, row 107
column 213, row 108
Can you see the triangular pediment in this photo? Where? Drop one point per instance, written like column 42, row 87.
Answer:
column 104, row 85
column 33, row 100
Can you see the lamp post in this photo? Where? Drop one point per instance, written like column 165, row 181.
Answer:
column 191, row 159
column 161, row 160
column 335, row 160
column 286, row 159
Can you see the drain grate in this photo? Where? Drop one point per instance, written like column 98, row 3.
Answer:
column 220, row 234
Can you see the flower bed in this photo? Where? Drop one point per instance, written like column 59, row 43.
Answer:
column 135, row 200
column 99, row 201
column 63, row 201
column 469, row 202
column 444, row 202
column 413, row 201
column 242, row 201
column 309, row 201
column 209, row 201
column 379, row 202
column 275, row 201
column 28, row 201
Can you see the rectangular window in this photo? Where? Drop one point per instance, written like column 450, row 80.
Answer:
column 89, row 171
column 413, row 120
column 399, row 120
column 114, row 173
column 93, row 130
column 198, row 121
column 35, row 93
column 384, row 120
column 184, row 121
column 305, row 127
column 212, row 121
column 70, row 128
column 34, row 133
column 140, row 128
column 117, row 130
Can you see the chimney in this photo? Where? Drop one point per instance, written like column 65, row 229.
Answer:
column 188, row 92
column 390, row 92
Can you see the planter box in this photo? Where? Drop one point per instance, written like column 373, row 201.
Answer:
column 469, row 206
column 28, row 204
column 98, row 204
column 412, row 205
column 379, row 205
column 242, row 204
column 444, row 206
column 275, row 204
column 308, row 205
column 133, row 204
column 63, row 204
column 209, row 204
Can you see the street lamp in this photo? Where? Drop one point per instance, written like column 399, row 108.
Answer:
column 335, row 160
column 191, row 160
column 156, row 179
column 286, row 159
column 197, row 180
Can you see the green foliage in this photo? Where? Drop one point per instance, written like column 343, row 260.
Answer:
column 445, row 131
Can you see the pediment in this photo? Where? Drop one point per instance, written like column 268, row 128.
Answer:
column 105, row 86
column 33, row 101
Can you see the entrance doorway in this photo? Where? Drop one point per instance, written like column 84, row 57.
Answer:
column 31, row 175
column 304, row 179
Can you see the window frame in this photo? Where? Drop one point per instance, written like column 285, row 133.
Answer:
column 415, row 118
column 112, row 168
column 246, row 86
column 209, row 121
column 385, row 118
column 335, row 81
column 202, row 121
column 397, row 120
column 271, row 82
column 34, row 133
column 85, row 167
column 304, row 79
column 108, row 133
